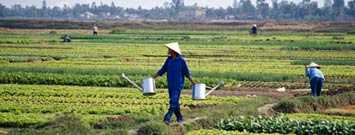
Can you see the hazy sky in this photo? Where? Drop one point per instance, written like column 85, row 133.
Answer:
column 128, row 3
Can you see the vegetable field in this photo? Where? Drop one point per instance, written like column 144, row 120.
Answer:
column 18, row 101
column 42, row 78
column 269, row 60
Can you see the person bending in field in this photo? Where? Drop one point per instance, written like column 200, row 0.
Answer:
column 95, row 30
column 176, row 68
column 316, row 78
column 254, row 30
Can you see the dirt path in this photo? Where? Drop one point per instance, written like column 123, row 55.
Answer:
column 252, row 92
column 348, row 110
column 270, row 92
column 266, row 109
column 3, row 131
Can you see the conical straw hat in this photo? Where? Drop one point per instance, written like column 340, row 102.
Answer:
column 174, row 46
column 312, row 64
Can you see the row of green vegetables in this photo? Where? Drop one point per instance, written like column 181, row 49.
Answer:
column 113, row 101
column 189, row 50
column 223, row 132
column 176, row 35
column 313, row 122
column 37, row 120
column 320, row 116
column 213, row 63
column 27, row 105
column 284, row 125
column 211, row 79
column 113, row 66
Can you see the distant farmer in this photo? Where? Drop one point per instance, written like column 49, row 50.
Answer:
column 254, row 30
column 66, row 38
column 316, row 78
column 176, row 68
column 95, row 30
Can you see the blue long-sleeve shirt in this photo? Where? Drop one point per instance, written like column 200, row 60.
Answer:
column 314, row 72
column 176, row 70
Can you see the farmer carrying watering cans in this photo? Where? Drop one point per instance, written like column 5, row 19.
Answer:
column 176, row 68
column 316, row 78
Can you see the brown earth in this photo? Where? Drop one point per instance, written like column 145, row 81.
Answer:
column 271, row 92
column 318, row 26
column 344, row 110
column 252, row 92
column 350, row 108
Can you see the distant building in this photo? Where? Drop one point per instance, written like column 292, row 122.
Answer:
column 200, row 12
column 195, row 13
column 132, row 16
column 88, row 15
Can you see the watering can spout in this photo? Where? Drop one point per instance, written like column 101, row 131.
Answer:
column 130, row 81
column 214, row 88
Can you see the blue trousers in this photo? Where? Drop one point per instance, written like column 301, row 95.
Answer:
column 174, row 107
column 316, row 86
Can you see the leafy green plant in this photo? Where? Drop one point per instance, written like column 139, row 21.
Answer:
column 31, row 105
column 283, row 125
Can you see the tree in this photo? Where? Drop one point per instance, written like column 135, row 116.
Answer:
column 287, row 10
column 177, row 3
column 3, row 10
column 176, row 6
column 263, row 8
column 93, row 6
column 304, row 9
column 351, row 10
column 113, row 7
column 242, row 9
column 328, row 3
column 44, row 12
column 44, row 5
column 275, row 12
column 338, row 7
column 247, row 8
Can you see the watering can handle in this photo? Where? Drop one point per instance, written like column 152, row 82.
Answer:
column 214, row 88
column 130, row 81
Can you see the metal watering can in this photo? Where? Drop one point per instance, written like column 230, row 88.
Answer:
column 199, row 90
column 148, row 85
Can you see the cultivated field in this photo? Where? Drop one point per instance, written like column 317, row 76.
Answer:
column 75, row 88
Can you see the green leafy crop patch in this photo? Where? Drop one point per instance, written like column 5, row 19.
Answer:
column 284, row 125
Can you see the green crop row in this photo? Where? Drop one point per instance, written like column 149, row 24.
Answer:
column 22, row 120
column 313, row 116
column 223, row 132
column 110, row 76
column 283, row 125
column 42, row 100
column 117, row 81
column 320, row 46
column 325, row 62
column 212, row 56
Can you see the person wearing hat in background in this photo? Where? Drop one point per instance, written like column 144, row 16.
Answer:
column 316, row 78
column 95, row 30
column 254, row 30
column 176, row 68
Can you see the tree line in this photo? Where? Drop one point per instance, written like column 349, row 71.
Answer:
column 240, row 10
